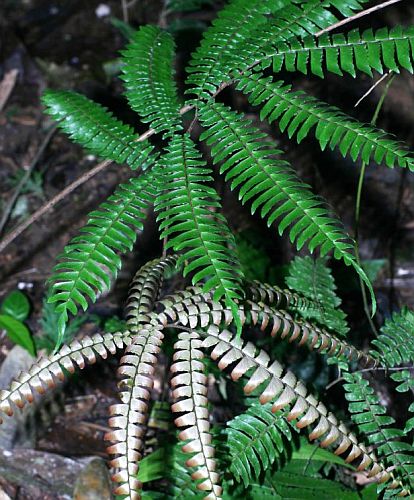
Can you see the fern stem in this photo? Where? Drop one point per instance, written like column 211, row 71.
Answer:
column 358, row 209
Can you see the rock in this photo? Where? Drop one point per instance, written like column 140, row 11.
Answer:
column 17, row 360
column 93, row 482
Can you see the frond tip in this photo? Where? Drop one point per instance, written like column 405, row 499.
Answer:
column 148, row 77
column 189, row 384
column 298, row 114
column 47, row 371
column 96, row 129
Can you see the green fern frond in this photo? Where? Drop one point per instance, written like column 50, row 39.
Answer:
column 234, row 24
column 184, row 205
column 255, row 440
column 313, row 279
column 272, row 185
column 90, row 258
column 383, row 50
column 298, row 481
column 148, row 76
column 405, row 380
column 289, row 20
column 95, row 128
column 395, row 345
column 370, row 417
column 298, row 114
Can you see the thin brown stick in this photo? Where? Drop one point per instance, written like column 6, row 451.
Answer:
column 372, row 88
column 51, row 203
column 363, row 13
column 7, row 86
column 9, row 207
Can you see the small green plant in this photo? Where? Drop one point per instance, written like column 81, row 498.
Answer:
column 14, row 310
column 248, row 41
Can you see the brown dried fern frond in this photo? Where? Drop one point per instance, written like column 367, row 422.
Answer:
column 128, row 418
column 46, row 371
column 288, row 393
column 280, row 323
column 189, row 385
column 144, row 290
column 200, row 311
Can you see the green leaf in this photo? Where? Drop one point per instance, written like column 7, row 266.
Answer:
column 95, row 128
column 18, row 333
column 313, row 279
column 16, row 305
column 148, row 76
column 189, row 214
column 299, row 114
column 92, row 258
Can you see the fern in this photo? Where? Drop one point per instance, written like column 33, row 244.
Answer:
column 275, row 188
column 148, row 78
column 91, row 257
column 298, row 114
column 184, row 206
column 223, row 39
column 395, row 345
column 241, row 33
column 200, row 321
column 189, row 392
column 313, row 279
column 247, row 37
column 289, row 20
column 255, row 440
column 369, row 415
column 384, row 49
column 96, row 129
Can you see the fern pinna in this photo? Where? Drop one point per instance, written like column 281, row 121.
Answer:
column 247, row 38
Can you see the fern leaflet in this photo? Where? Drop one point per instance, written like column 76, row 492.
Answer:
column 148, row 77
column 298, row 114
column 369, row 415
column 94, row 127
column 255, row 440
column 395, row 345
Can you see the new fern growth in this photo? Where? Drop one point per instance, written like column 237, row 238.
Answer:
column 247, row 38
